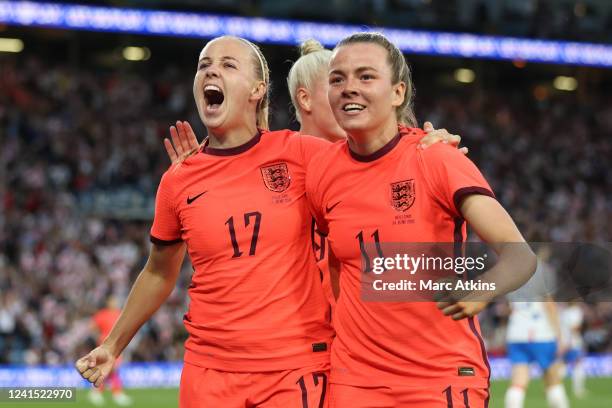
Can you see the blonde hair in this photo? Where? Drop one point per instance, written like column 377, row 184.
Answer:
column 399, row 70
column 314, row 59
column 262, row 72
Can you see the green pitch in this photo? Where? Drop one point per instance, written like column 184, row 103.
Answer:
column 600, row 396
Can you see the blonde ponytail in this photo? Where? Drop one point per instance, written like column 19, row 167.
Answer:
column 314, row 61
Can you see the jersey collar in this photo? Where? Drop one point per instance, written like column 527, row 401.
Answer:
column 232, row 151
column 379, row 153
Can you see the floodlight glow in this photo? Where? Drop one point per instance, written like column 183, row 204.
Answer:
column 465, row 75
column 11, row 45
column 136, row 53
column 565, row 83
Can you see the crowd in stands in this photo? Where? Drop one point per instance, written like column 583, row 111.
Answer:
column 67, row 135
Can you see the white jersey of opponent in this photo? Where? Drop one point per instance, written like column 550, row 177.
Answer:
column 529, row 322
column 571, row 319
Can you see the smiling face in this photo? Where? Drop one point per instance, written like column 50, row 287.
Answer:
column 361, row 94
column 225, row 86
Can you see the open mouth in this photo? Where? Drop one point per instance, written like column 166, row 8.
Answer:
column 353, row 107
column 214, row 97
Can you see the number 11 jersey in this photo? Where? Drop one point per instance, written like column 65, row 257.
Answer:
column 399, row 194
column 256, row 301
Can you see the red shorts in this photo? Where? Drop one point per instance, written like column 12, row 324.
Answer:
column 342, row 396
column 298, row 388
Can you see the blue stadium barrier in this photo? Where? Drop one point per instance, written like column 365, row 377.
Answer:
column 290, row 32
column 160, row 375
column 134, row 375
column 595, row 366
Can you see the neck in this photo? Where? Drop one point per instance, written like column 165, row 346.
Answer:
column 367, row 142
column 226, row 139
column 309, row 127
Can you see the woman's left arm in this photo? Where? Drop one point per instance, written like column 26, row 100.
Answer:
column 516, row 261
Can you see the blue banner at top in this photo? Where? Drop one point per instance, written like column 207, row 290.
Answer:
column 288, row 32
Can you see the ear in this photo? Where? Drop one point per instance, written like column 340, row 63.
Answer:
column 259, row 91
column 303, row 100
column 399, row 93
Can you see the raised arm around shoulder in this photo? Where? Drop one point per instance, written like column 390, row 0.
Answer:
column 434, row 136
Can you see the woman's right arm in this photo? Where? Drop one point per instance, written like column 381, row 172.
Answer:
column 516, row 262
column 152, row 287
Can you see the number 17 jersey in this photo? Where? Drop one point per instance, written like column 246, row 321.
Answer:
column 256, row 301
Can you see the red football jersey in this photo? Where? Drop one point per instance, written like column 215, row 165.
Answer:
column 256, row 301
column 352, row 199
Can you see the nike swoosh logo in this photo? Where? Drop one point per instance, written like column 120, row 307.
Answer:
column 328, row 209
column 192, row 199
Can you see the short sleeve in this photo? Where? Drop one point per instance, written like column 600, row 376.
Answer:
column 451, row 176
column 310, row 146
column 166, row 229
column 314, row 195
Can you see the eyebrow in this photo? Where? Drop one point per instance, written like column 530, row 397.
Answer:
column 358, row 70
column 224, row 58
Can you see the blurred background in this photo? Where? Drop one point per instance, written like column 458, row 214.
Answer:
column 83, row 114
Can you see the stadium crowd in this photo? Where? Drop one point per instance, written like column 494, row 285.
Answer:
column 70, row 137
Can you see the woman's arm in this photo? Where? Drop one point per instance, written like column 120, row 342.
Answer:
column 516, row 261
column 152, row 287
column 185, row 143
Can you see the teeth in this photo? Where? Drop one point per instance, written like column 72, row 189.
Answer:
column 352, row 106
column 212, row 88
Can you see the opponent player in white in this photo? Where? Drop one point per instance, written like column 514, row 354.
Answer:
column 532, row 337
column 571, row 320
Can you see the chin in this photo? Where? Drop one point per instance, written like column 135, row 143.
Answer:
column 353, row 124
column 215, row 123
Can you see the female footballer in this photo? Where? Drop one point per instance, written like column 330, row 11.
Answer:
column 379, row 187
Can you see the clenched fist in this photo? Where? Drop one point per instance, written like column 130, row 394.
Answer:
column 96, row 365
